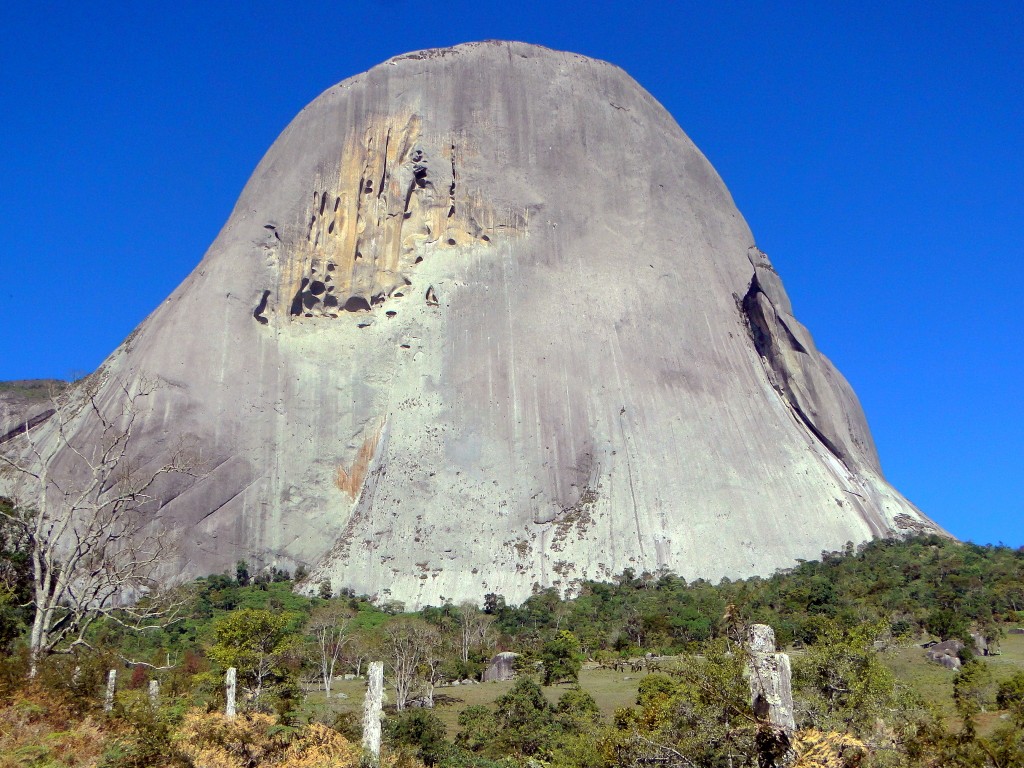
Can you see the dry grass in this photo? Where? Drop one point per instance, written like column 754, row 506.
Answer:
column 37, row 730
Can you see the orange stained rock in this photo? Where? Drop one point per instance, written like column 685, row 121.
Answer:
column 350, row 480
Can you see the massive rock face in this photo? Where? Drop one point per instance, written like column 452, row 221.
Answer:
column 485, row 320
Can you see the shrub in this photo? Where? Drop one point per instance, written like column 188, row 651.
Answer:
column 41, row 729
column 212, row 740
column 422, row 731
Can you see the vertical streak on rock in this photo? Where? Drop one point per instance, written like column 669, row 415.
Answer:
column 632, row 489
column 372, row 709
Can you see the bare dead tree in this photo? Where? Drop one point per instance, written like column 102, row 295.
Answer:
column 436, row 650
column 474, row 627
column 407, row 643
column 361, row 647
column 329, row 625
column 93, row 550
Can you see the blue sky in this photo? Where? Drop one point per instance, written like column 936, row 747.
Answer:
column 877, row 152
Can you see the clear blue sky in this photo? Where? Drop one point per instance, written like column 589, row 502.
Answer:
column 877, row 153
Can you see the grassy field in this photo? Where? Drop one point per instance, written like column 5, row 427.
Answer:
column 612, row 690
column 935, row 683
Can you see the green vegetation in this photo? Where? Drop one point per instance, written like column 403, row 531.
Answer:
column 561, row 659
column 649, row 669
column 32, row 390
column 921, row 584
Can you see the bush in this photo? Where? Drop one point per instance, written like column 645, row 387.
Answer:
column 478, row 728
column 653, row 686
column 1011, row 696
column 81, row 678
column 523, row 719
column 350, row 725
column 42, row 729
column 577, row 712
column 422, row 731
column 212, row 739
column 147, row 741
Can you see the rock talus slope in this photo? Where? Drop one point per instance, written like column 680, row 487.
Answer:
column 484, row 319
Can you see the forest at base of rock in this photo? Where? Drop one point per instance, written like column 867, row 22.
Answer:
column 645, row 670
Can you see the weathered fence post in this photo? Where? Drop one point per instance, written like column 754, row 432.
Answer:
column 372, row 710
column 108, row 700
column 229, row 690
column 154, row 693
column 771, row 697
column 771, row 691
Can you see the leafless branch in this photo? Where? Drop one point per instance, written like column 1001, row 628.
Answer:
column 92, row 548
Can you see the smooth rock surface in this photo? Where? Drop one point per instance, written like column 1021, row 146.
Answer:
column 502, row 666
column 485, row 320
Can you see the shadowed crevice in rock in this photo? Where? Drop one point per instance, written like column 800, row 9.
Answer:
column 804, row 378
column 261, row 308
column 27, row 425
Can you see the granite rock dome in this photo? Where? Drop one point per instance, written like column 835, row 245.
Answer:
column 484, row 319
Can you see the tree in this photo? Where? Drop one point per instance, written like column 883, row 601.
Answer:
column 934, row 745
column 947, row 623
column 842, row 684
column 579, row 743
column 329, row 625
column 732, row 626
column 1010, row 696
column 437, row 649
column 93, row 548
column 15, row 576
column 408, row 643
column 494, row 604
column 362, row 646
column 523, row 718
column 974, row 688
column 702, row 716
column 561, row 659
column 256, row 643
column 710, row 716
column 474, row 627
column 325, row 591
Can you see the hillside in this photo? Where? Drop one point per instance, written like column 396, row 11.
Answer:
column 861, row 614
